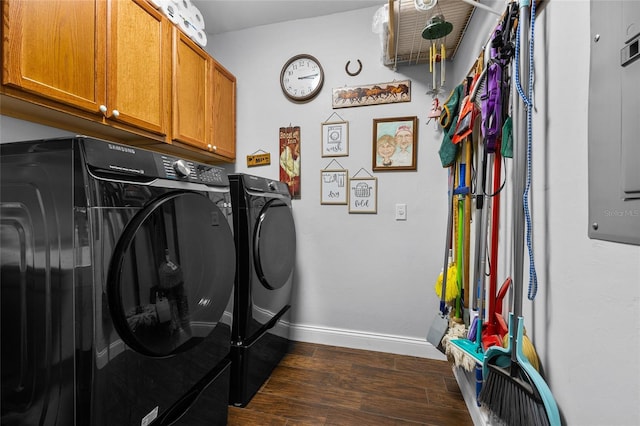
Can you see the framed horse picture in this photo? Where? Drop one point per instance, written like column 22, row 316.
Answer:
column 372, row 94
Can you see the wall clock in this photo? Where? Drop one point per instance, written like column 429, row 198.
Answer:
column 301, row 78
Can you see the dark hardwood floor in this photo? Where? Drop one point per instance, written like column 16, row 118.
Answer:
column 327, row 385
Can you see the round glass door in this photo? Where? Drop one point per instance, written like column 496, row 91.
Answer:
column 274, row 244
column 171, row 274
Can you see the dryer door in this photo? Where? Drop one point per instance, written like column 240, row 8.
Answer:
column 274, row 244
column 171, row 274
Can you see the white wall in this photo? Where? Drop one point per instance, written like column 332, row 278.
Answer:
column 362, row 280
column 587, row 314
column 14, row 130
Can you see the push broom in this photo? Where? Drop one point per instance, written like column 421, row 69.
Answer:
column 516, row 393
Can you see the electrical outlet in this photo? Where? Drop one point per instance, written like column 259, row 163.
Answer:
column 401, row 212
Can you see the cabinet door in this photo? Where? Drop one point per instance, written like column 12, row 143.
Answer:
column 56, row 49
column 224, row 112
column 191, row 93
column 139, row 65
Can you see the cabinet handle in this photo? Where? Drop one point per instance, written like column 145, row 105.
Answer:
column 103, row 110
column 115, row 113
column 215, row 148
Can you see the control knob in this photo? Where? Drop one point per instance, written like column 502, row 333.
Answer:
column 181, row 168
column 272, row 185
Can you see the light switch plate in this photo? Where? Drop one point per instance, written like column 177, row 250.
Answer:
column 401, row 212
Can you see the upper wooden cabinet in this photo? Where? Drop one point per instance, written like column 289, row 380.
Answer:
column 57, row 50
column 224, row 111
column 191, row 92
column 204, row 113
column 117, row 69
column 139, row 65
column 107, row 58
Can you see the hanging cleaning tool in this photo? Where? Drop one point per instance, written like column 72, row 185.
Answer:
column 489, row 333
column 467, row 229
column 472, row 345
column 461, row 192
column 440, row 322
column 516, row 393
column 494, row 100
column 463, row 136
column 451, row 291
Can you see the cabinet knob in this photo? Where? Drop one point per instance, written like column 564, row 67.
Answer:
column 103, row 109
column 215, row 147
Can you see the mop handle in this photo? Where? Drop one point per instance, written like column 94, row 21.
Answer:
column 447, row 243
column 495, row 226
column 479, row 264
column 519, row 155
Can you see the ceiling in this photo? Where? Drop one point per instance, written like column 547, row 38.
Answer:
column 405, row 42
column 231, row 15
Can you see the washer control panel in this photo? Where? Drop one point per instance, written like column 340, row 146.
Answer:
column 124, row 160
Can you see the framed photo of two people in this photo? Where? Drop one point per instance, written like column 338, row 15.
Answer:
column 395, row 143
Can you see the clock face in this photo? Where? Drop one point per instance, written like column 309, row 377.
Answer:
column 301, row 78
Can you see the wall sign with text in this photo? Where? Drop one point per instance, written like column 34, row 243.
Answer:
column 363, row 195
column 333, row 186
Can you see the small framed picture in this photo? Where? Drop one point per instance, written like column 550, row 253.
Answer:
column 333, row 186
column 335, row 139
column 395, row 143
column 363, row 195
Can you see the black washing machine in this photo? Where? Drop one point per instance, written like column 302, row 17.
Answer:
column 265, row 240
column 117, row 270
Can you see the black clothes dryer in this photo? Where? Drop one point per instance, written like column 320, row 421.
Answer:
column 117, row 268
column 265, row 238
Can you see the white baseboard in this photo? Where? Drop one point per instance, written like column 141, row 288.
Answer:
column 467, row 383
column 401, row 345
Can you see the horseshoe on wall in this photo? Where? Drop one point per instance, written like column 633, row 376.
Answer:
column 352, row 74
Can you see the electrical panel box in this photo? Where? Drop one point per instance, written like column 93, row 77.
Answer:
column 614, row 122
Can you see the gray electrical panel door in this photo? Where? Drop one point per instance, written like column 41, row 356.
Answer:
column 614, row 122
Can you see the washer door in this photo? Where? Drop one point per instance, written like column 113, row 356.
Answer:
column 274, row 244
column 171, row 274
